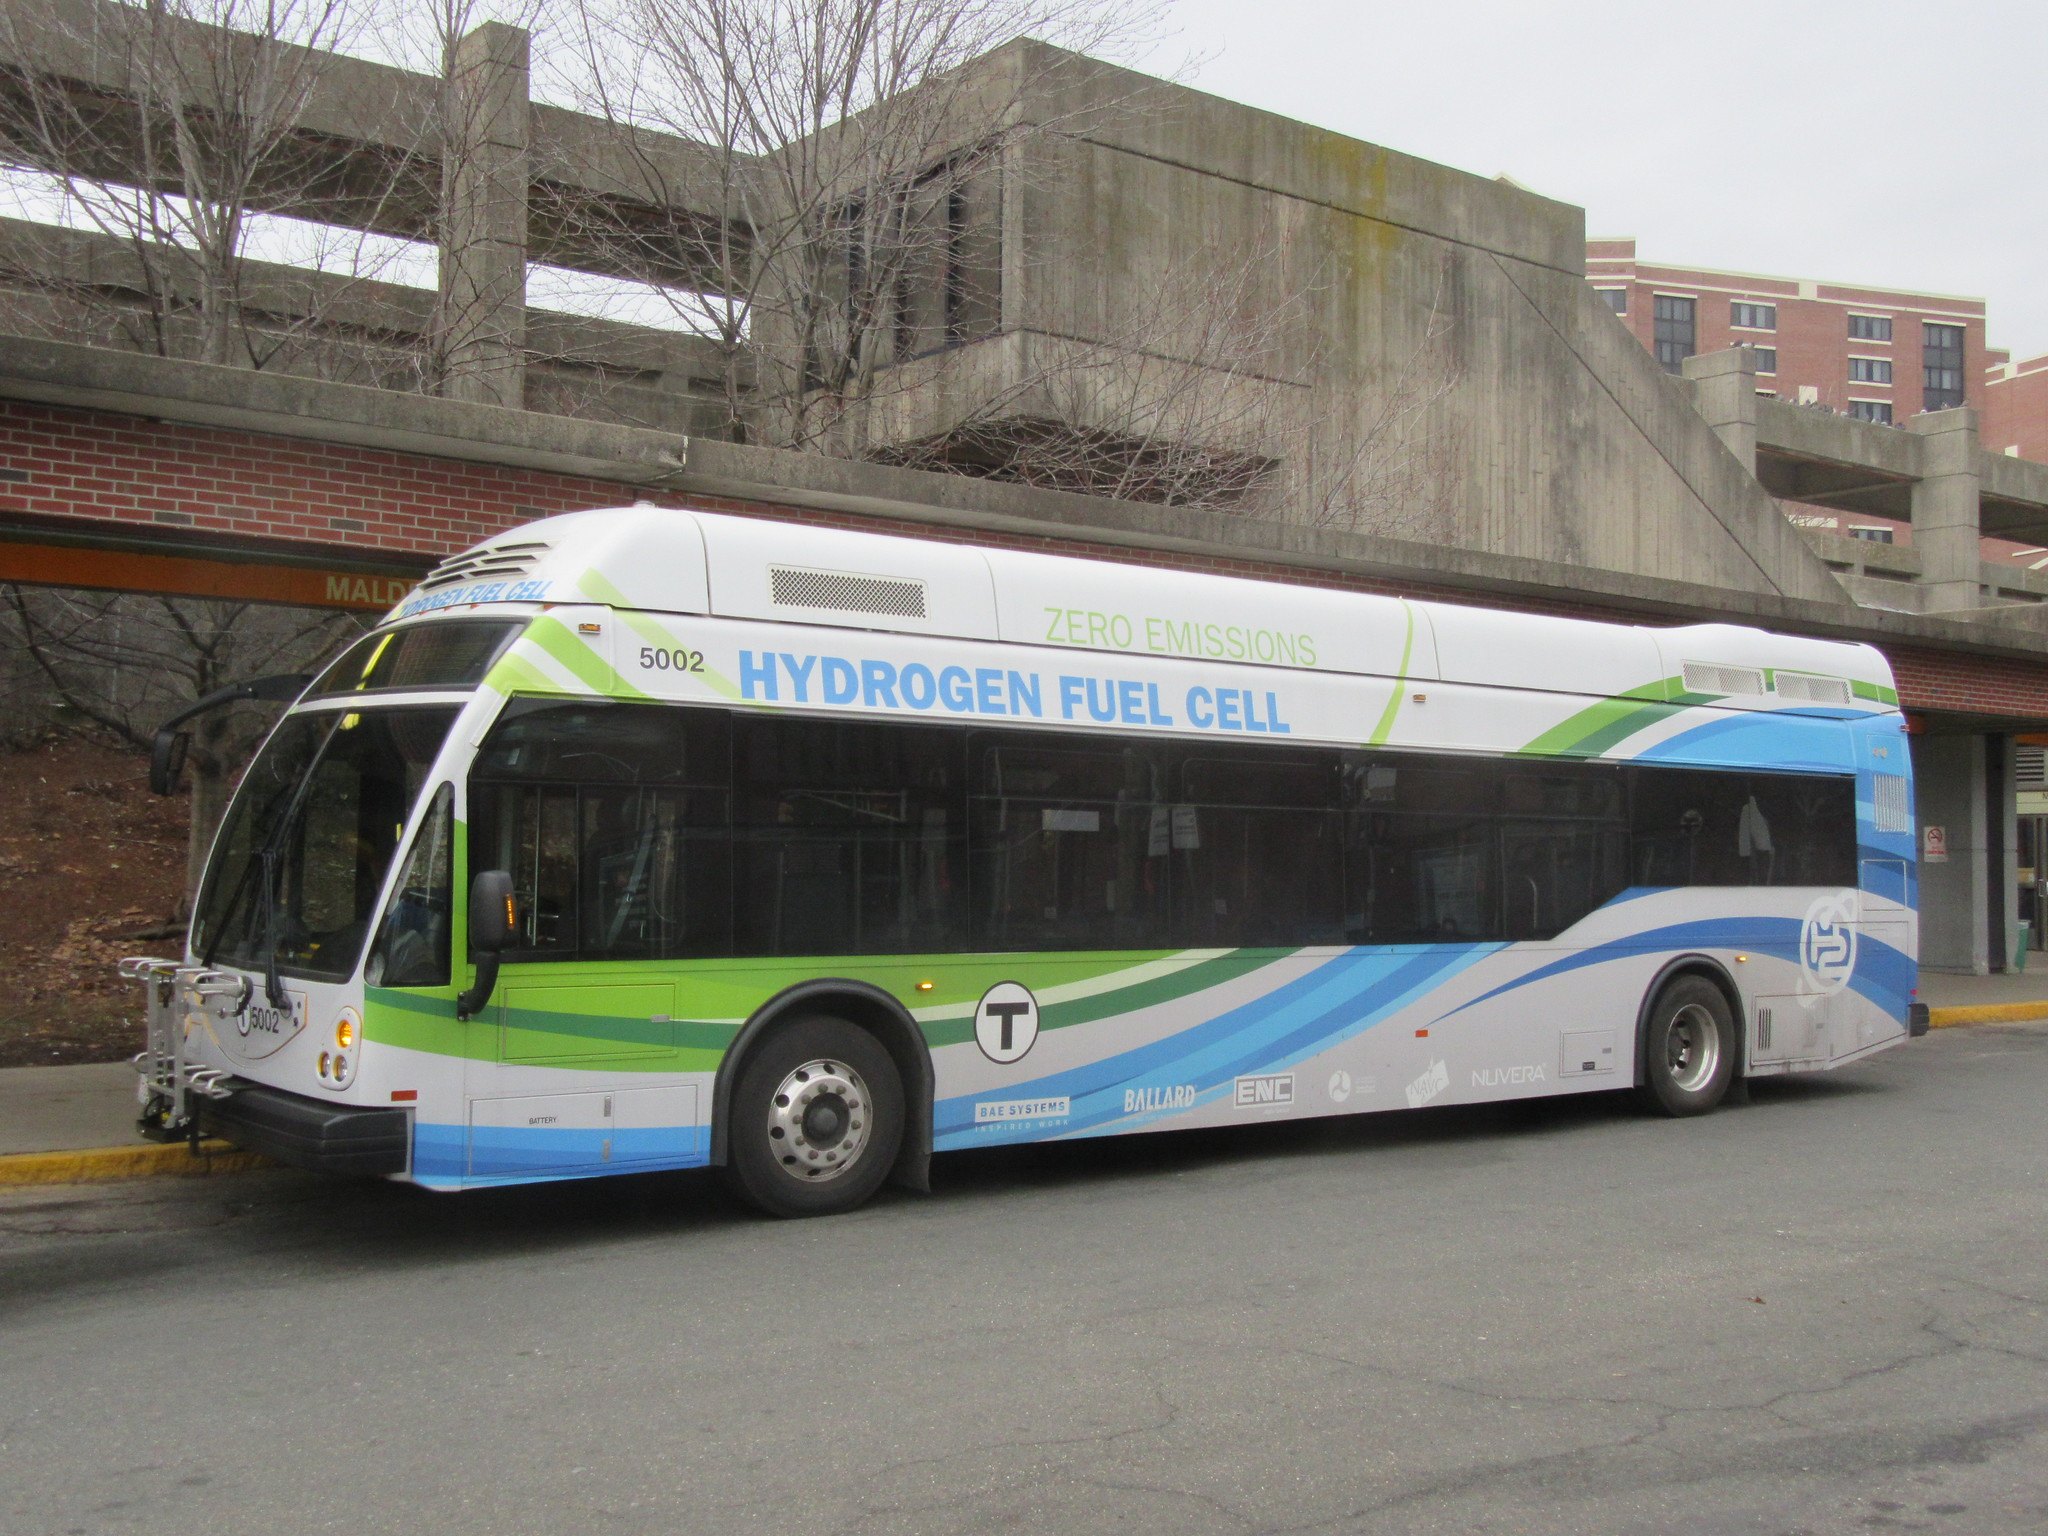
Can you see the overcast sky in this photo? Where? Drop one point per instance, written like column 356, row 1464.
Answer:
column 1902, row 145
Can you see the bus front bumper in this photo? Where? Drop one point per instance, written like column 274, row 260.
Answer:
column 305, row 1133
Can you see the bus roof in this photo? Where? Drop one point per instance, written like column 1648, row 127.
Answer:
column 679, row 560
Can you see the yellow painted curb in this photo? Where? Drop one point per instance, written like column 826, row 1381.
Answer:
column 1987, row 1013
column 140, row 1161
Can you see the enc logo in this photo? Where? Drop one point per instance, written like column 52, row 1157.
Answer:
column 1006, row 1022
column 1339, row 1086
column 1827, row 943
column 1269, row 1091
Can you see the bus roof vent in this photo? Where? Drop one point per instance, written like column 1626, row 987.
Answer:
column 791, row 586
column 492, row 562
column 1809, row 689
column 1714, row 677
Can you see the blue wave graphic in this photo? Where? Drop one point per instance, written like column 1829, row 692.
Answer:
column 1343, row 996
column 1884, row 975
column 454, row 1154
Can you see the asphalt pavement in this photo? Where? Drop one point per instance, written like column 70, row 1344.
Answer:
column 1820, row 1311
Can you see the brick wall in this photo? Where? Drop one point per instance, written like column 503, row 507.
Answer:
column 101, row 466
column 1938, row 681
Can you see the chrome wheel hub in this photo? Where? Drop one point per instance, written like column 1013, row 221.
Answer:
column 1692, row 1048
column 818, row 1120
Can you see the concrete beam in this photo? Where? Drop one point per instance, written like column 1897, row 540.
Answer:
column 1724, row 392
column 483, row 219
column 96, row 379
column 1945, row 508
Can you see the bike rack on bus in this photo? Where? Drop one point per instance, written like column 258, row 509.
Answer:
column 179, row 999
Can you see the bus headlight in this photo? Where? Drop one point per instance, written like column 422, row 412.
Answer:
column 345, row 1032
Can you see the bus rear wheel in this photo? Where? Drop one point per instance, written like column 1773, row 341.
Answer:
column 1688, row 1048
column 816, row 1119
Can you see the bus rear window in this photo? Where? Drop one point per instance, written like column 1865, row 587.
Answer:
column 453, row 653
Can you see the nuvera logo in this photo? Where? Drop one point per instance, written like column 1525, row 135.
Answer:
column 1506, row 1077
column 997, row 1111
column 1429, row 1085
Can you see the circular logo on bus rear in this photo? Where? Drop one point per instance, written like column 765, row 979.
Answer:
column 1827, row 943
column 1006, row 1021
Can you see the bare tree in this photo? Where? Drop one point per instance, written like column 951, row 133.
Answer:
column 801, row 174
column 177, row 127
column 116, row 665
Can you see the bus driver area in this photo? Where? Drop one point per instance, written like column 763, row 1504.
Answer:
column 646, row 838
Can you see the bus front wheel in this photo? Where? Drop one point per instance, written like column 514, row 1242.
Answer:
column 1688, row 1048
column 816, row 1119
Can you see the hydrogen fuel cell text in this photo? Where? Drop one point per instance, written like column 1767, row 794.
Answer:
column 784, row 677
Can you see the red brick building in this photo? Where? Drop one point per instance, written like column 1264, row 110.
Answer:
column 1874, row 353
column 2016, row 407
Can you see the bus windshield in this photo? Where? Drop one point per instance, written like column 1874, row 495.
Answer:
column 310, row 837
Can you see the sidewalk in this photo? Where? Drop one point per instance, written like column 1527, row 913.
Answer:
column 65, row 1124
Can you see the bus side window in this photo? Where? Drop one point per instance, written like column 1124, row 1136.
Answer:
column 1069, row 844
column 412, row 941
column 612, row 820
column 846, row 837
column 1564, row 846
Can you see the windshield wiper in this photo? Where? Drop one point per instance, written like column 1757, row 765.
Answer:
column 267, row 857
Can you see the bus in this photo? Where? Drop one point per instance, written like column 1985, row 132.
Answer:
column 648, row 838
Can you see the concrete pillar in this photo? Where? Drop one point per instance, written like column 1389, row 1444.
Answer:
column 484, row 179
column 1945, row 509
column 1724, row 392
column 1949, row 792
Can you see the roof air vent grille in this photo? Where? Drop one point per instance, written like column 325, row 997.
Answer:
column 1713, row 677
column 792, row 586
column 491, row 562
column 1809, row 689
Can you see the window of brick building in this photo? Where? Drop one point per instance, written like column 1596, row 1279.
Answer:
column 1870, row 327
column 1766, row 359
column 1872, row 410
column 1616, row 299
column 1942, row 354
column 1870, row 370
column 1674, row 331
column 1753, row 317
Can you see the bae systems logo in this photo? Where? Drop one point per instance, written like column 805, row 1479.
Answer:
column 1827, row 944
column 1011, row 1111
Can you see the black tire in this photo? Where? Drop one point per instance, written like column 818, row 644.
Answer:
column 815, row 1120
column 1688, row 1048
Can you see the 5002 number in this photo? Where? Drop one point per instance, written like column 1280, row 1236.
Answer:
column 655, row 658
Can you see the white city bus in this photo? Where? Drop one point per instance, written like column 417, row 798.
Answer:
column 650, row 838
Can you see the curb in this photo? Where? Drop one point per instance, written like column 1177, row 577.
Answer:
column 1987, row 1013
column 92, row 1164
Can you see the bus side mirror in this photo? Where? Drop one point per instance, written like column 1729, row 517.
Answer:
column 167, row 761
column 493, row 925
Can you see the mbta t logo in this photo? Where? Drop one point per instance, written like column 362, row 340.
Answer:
column 1005, row 1021
column 1827, row 943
